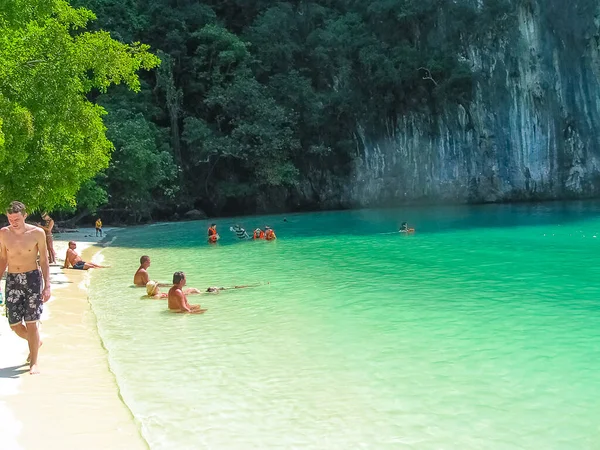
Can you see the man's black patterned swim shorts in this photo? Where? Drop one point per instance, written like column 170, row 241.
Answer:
column 24, row 297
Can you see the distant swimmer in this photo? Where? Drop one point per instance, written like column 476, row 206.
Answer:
column 216, row 290
column 177, row 298
column 404, row 228
column 270, row 234
column 73, row 259
column 258, row 234
column 213, row 236
column 239, row 231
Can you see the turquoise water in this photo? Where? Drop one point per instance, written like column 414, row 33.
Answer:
column 481, row 331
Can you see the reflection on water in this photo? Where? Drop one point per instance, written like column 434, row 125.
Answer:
column 480, row 331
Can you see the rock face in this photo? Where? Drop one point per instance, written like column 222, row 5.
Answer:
column 530, row 131
column 195, row 214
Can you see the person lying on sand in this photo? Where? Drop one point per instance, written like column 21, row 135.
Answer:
column 177, row 298
column 153, row 290
column 73, row 259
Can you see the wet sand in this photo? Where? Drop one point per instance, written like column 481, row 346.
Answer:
column 74, row 403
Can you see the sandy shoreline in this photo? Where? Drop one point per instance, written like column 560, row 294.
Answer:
column 75, row 402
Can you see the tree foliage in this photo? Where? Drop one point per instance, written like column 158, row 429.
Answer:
column 52, row 138
column 261, row 97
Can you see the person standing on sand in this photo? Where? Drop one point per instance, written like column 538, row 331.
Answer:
column 73, row 259
column 99, row 227
column 47, row 227
column 177, row 298
column 26, row 288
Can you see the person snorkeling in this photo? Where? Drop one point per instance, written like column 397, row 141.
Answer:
column 213, row 236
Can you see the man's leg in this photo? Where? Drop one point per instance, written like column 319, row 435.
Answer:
column 89, row 265
column 33, row 339
column 20, row 330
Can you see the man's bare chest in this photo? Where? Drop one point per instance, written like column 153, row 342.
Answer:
column 21, row 244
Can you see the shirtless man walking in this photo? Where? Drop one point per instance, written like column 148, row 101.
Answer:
column 20, row 244
column 73, row 259
column 177, row 297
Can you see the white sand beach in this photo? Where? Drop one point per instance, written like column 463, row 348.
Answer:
column 74, row 403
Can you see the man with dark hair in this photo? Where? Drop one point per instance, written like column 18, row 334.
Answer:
column 26, row 288
column 177, row 297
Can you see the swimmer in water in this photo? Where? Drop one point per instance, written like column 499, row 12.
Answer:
column 216, row 290
column 177, row 298
column 404, row 228
column 153, row 290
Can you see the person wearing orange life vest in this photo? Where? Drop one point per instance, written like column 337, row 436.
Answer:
column 404, row 228
column 258, row 234
column 213, row 236
column 269, row 234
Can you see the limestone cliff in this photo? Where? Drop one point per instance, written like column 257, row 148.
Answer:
column 530, row 131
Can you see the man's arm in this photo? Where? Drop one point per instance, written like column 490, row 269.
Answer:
column 3, row 256
column 181, row 301
column 185, row 306
column 66, row 264
column 43, row 250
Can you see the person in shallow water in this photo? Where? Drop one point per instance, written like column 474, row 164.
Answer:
column 177, row 298
column 270, row 234
column 213, row 236
column 258, row 234
column 404, row 228
column 239, row 231
column 141, row 277
column 153, row 290
column 216, row 290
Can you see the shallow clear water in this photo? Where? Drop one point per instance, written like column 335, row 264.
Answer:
column 482, row 330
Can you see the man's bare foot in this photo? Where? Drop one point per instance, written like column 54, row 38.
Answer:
column 33, row 370
column 198, row 311
column 29, row 356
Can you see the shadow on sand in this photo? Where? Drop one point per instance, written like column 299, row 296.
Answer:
column 14, row 371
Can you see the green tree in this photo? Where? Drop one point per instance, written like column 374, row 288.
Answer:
column 52, row 136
